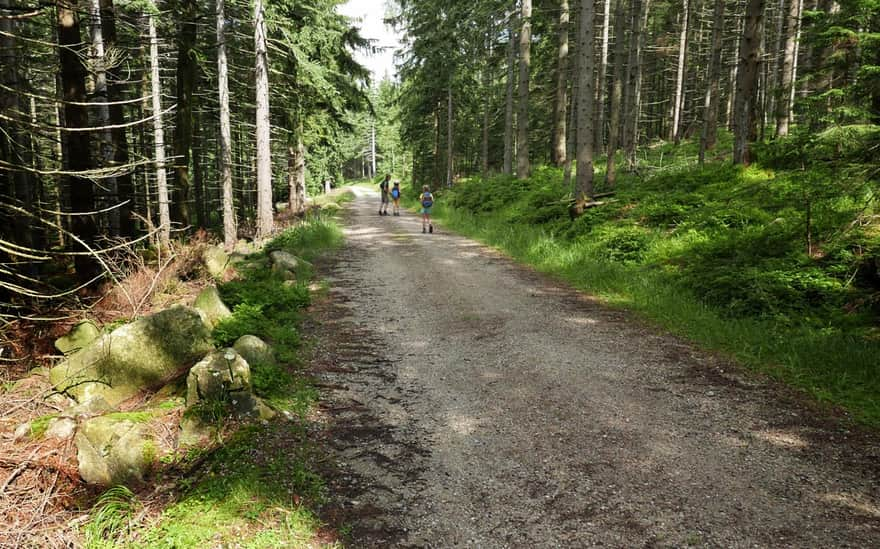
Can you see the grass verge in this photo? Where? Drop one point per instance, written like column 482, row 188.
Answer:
column 714, row 254
column 257, row 487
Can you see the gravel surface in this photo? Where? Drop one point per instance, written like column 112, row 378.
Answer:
column 471, row 402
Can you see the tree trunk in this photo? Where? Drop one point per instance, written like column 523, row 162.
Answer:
column 786, row 76
column 77, row 147
column 796, row 56
column 107, row 194
column 183, row 129
column 229, row 231
column 710, row 114
column 678, row 99
column 522, row 116
column 264, row 152
column 761, row 97
column 616, row 93
column 487, row 105
column 159, row 136
column 301, row 190
column 571, row 137
column 747, row 81
column 586, row 95
column 296, row 176
column 560, row 101
column 634, row 85
column 372, row 147
column 198, row 171
column 774, row 59
column 119, row 136
column 599, row 116
column 16, row 183
column 59, row 149
column 508, row 104
column 142, row 200
column 450, row 149
column 435, row 171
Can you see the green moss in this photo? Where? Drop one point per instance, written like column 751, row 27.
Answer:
column 135, row 417
column 40, row 425
column 149, row 452
column 169, row 405
column 259, row 486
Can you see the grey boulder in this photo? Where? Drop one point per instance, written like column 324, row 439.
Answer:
column 114, row 450
column 135, row 357
column 211, row 306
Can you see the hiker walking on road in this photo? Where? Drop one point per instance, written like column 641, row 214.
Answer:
column 427, row 200
column 395, row 198
column 384, row 188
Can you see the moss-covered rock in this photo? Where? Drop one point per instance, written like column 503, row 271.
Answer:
column 211, row 306
column 245, row 247
column 247, row 405
column 61, row 428
column 216, row 260
column 254, row 350
column 287, row 264
column 79, row 337
column 113, row 450
column 222, row 381
column 217, row 377
column 194, row 431
column 134, row 357
column 95, row 406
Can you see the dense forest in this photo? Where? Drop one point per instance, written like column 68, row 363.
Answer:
column 129, row 123
column 507, row 85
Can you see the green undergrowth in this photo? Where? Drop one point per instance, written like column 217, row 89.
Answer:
column 777, row 264
column 256, row 491
column 264, row 304
column 257, row 487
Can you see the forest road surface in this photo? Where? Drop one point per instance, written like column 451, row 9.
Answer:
column 471, row 402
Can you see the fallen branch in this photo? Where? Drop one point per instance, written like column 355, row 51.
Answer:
column 30, row 463
column 49, row 493
column 592, row 204
column 19, row 468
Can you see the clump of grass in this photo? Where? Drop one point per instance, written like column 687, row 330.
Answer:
column 111, row 519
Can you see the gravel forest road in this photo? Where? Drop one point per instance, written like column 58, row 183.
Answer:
column 468, row 401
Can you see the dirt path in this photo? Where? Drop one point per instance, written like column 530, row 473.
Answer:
column 472, row 402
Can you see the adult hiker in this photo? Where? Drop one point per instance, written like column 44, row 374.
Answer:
column 385, row 190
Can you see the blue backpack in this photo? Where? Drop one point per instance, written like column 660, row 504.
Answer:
column 427, row 200
column 395, row 193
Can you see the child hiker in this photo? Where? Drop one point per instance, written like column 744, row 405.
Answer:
column 395, row 198
column 427, row 200
column 384, row 188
